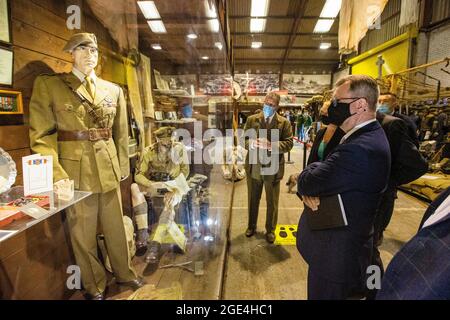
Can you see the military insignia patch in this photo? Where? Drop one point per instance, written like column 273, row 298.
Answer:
column 109, row 102
column 69, row 107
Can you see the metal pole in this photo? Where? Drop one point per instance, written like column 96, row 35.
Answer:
column 304, row 156
column 438, row 92
column 289, row 161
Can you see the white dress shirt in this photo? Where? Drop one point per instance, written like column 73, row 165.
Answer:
column 356, row 128
column 442, row 212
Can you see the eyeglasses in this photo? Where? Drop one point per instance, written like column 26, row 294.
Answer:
column 89, row 49
column 335, row 102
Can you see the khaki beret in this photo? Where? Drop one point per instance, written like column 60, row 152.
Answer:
column 79, row 39
column 164, row 132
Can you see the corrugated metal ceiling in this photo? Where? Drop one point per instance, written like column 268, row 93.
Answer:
column 184, row 16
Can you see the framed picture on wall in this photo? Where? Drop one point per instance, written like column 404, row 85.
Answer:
column 159, row 115
column 11, row 102
column 172, row 115
column 5, row 22
column 6, row 67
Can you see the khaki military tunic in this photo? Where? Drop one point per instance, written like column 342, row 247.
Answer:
column 152, row 161
column 95, row 166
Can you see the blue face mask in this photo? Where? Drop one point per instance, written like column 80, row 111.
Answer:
column 384, row 108
column 268, row 111
column 187, row 111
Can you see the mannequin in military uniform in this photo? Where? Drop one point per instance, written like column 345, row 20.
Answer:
column 81, row 120
column 163, row 161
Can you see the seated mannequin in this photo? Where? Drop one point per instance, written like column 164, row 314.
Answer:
column 165, row 162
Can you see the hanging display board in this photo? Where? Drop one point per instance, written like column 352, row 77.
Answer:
column 258, row 84
column 306, row 83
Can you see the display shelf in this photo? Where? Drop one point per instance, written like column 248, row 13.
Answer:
column 26, row 222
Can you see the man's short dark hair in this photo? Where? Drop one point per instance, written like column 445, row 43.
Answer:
column 275, row 96
column 363, row 86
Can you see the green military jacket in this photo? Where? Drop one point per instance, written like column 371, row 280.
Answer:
column 307, row 121
column 283, row 145
column 94, row 166
column 151, row 162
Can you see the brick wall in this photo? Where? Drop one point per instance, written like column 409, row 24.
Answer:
column 439, row 48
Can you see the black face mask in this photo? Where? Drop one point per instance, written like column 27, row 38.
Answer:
column 338, row 112
column 325, row 119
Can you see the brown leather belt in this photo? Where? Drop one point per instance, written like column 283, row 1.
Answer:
column 92, row 134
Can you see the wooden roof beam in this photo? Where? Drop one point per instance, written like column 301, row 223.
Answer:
column 299, row 11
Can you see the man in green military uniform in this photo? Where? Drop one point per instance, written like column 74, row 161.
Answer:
column 163, row 161
column 81, row 120
column 277, row 142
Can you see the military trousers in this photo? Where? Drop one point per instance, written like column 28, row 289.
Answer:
column 254, row 189
column 100, row 211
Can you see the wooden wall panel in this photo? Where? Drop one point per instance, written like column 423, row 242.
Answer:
column 56, row 7
column 40, row 18
column 14, row 137
column 26, row 36
column 33, row 264
column 29, row 64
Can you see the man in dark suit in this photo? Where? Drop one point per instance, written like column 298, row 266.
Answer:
column 272, row 144
column 388, row 104
column 358, row 170
column 421, row 269
column 407, row 164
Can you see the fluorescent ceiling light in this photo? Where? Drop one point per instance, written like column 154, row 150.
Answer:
column 323, row 26
column 192, row 36
column 156, row 46
column 257, row 25
column 205, row 58
column 331, row 9
column 325, row 45
column 214, row 25
column 149, row 9
column 157, row 26
column 210, row 10
column 259, row 8
column 256, row 44
column 219, row 45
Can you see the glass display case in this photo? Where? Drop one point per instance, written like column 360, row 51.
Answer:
column 13, row 205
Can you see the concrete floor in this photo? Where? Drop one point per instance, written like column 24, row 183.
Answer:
column 258, row 270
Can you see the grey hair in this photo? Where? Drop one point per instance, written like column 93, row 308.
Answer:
column 363, row 86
